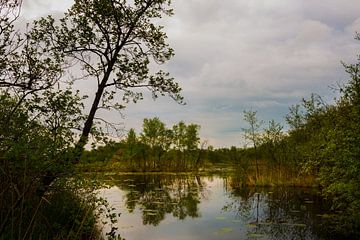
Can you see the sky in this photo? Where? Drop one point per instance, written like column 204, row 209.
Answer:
column 236, row 55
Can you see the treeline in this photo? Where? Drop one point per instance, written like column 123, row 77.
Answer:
column 156, row 148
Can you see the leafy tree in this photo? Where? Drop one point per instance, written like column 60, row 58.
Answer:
column 27, row 64
column 179, row 134
column 295, row 118
column 131, row 145
column 113, row 42
column 31, row 154
column 252, row 132
column 273, row 133
column 340, row 169
column 192, row 137
column 272, row 142
column 153, row 132
column 59, row 111
column 156, row 136
column 9, row 39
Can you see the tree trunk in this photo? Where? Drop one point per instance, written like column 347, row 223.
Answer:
column 79, row 148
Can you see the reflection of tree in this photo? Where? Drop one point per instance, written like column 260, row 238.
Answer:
column 280, row 213
column 159, row 194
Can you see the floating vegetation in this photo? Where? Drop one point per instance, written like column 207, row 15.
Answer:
column 299, row 225
column 265, row 223
column 150, row 210
column 220, row 218
column 256, row 235
column 295, row 224
column 326, row 216
column 129, row 180
column 109, row 174
column 224, row 230
column 151, row 213
column 251, row 225
column 236, row 221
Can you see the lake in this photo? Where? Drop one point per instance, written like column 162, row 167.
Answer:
column 187, row 206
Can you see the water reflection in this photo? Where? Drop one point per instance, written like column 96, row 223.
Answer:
column 157, row 195
column 278, row 213
column 169, row 206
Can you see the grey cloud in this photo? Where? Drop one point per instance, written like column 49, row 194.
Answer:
column 337, row 13
column 233, row 55
column 266, row 55
column 32, row 9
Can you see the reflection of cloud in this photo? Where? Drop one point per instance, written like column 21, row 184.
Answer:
column 240, row 54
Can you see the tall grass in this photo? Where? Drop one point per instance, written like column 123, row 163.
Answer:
column 61, row 213
column 272, row 175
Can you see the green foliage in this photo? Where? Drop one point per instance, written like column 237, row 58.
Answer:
column 252, row 133
column 154, row 133
column 35, row 146
column 75, row 218
column 37, row 123
column 192, row 137
column 101, row 153
column 323, row 141
column 179, row 132
column 114, row 43
column 156, row 149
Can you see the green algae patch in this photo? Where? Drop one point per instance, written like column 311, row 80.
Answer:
column 256, row 235
column 224, row 230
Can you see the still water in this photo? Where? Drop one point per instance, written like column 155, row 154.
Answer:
column 170, row 206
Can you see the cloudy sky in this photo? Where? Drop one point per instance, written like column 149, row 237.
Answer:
column 234, row 55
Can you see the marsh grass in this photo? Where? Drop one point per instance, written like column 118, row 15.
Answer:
column 270, row 176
